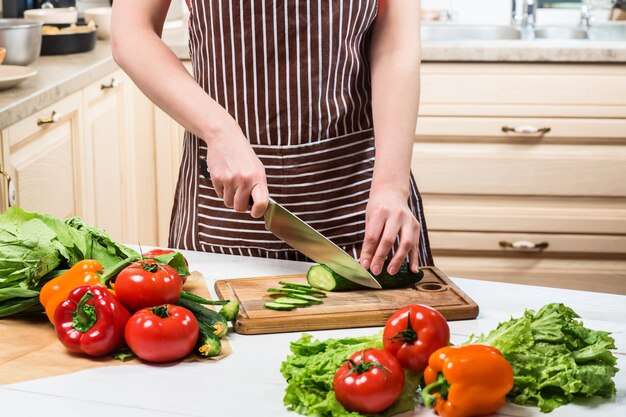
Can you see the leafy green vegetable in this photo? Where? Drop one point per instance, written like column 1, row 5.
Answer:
column 33, row 245
column 310, row 370
column 554, row 357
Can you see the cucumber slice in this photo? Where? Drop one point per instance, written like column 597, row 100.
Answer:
column 306, row 297
column 291, row 301
column 278, row 306
column 302, row 287
column 287, row 291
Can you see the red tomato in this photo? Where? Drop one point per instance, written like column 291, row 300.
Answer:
column 369, row 382
column 157, row 252
column 162, row 334
column 413, row 333
column 147, row 283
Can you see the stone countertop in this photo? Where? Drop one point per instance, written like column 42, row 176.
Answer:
column 60, row 76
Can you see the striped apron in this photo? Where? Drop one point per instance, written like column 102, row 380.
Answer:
column 295, row 76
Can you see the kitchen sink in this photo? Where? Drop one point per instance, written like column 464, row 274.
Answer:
column 434, row 32
column 455, row 32
column 610, row 31
column 560, row 32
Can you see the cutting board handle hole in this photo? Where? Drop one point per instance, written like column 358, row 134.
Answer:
column 431, row 287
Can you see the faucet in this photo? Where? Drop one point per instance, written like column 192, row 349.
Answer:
column 585, row 15
column 524, row 13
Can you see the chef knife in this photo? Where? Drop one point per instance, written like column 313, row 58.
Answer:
column 308, row 241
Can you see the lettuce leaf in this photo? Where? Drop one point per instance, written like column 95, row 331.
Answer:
column 554, row 357
column 311, row 368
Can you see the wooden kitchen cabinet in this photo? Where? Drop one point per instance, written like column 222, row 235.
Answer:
column 41, row 153
column 118, row 161
column 92, row 155
column 522, row 169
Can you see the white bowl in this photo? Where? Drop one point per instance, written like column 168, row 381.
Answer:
column 101, row 16
column 56, row 16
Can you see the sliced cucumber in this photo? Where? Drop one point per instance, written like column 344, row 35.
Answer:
column 306, row 297
column 302, row 287
column 286, row 291
column 278, row 306
column 296, row 302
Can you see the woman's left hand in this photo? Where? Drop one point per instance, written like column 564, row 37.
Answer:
column 387, row 216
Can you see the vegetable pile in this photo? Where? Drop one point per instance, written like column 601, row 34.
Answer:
column 100, row 294
column 554, row 357
column 373, row 375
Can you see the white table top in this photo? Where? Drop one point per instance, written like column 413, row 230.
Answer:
column 249, row 382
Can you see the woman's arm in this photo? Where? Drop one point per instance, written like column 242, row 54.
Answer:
column 395, row 64
column 155, row 69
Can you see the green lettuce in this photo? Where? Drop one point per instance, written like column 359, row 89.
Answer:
column 310, row 370
column 34, row 246
column 554, row 357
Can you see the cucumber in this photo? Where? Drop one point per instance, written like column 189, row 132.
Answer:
column 302, row 287
column 306, row 297
column 278, row 306
column 294, row 285
column 322, row 277
column 294, row 291
column 291, row 301
column 208, row 344
column 230, row 310
column 206, row 316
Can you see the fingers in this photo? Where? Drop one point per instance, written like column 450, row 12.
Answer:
column 260, row 197
column 409, row 238
column 383, row 226
column 373, row 228
column 386, row 242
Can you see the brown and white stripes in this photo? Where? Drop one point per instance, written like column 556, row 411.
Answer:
column 295, row 76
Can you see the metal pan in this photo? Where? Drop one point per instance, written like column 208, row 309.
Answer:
column 68, row 43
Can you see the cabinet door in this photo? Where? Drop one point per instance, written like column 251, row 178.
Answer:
column 103, row 159
column 40, row 154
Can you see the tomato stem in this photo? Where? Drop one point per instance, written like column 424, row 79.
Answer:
column 160, row 311
column 363, row 366
column 408, row 335
column 150, row 267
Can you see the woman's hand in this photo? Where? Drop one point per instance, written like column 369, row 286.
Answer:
column 387, row 216
column 236, row 172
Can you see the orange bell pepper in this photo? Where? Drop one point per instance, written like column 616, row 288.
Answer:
column 463, row 381
column 58, row 289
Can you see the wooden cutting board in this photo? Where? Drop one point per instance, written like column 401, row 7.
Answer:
column 340, row 310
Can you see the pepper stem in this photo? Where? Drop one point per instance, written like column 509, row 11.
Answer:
column 440, row 386
column 160, row 311
column 84, row 316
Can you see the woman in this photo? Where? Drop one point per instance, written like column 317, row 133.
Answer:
column 310, row 102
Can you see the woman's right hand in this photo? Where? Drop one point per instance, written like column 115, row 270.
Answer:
column 236, row 172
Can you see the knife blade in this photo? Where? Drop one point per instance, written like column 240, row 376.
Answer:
column 308, row 241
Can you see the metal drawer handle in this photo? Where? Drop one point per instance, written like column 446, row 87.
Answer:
column 10, row 189
column 524, row 245
column 526, row 130
column 113, row 84
column 54, row 117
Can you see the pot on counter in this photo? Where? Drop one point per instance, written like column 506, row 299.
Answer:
column 22, row 40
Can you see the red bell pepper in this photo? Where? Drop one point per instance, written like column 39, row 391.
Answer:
column 91, row 321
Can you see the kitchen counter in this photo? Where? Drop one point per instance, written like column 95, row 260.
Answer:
column 60, row 76
column 248, row 382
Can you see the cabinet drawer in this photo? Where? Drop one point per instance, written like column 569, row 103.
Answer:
column 525, row 214
column 520, row 169
column 532, row 245
column 521, row 130
column 579, row 273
